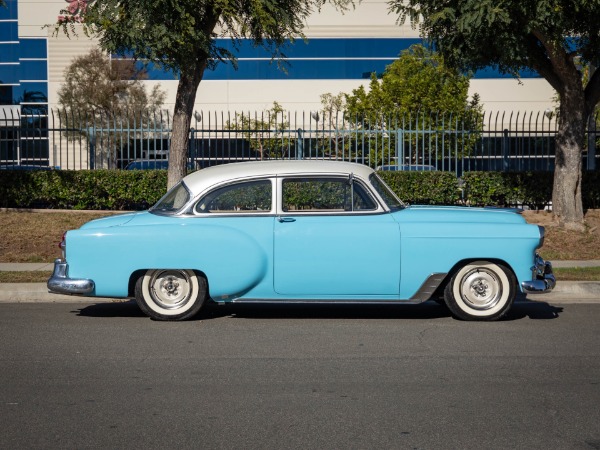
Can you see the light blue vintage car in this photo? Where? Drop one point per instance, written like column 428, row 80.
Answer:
column 302, row 231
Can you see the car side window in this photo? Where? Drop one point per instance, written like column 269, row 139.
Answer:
column 253, row 196
column 325, row 195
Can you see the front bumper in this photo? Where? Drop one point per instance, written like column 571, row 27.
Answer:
column 60, row 283
column 543, row 278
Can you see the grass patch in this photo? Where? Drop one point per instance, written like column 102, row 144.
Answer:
column 37, row 276
column 577, row 274
column 33, row 236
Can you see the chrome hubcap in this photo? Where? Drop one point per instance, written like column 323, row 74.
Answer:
column 481, row 289
column 170, row 289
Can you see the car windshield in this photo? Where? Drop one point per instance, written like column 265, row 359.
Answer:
column 173, row 201
column 393, row 202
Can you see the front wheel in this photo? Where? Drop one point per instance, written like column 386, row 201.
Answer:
column 481, row 290
column 170, row 294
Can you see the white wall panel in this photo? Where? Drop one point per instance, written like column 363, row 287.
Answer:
column 532, row 94
column 35, row 14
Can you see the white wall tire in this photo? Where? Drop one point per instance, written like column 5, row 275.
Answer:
column 481, row 290
column 170, row 294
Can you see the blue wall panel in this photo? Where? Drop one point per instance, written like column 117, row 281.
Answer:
column 9, row 53
column 34, row 70
column 10, row 12
column 316, row 59
column 9, row 73
column 9, row 31
column 33, row 48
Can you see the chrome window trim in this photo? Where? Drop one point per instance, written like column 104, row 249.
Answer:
column 338, row 176
column 180, row 210
column 190, row 210
column 380, row 198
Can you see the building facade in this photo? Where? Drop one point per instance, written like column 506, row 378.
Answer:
column 340, row 53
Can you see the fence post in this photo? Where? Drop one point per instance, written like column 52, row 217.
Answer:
column 591, row 156
column 192, row 148
column 400, row 147
column 300, row 144
column 505, row 150
column 92, row 147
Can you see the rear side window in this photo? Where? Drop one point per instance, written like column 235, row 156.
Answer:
column 253, row 196
column 325, row 195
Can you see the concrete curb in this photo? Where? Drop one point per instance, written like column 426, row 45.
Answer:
column 38, row 293
column 564, row 292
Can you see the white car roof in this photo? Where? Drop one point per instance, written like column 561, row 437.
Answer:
column 203, row 179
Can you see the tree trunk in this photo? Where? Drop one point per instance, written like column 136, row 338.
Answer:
column 567, row 204
column 184, row 107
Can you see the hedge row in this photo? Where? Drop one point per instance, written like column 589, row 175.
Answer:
column 136, row 190
column 531, row 189
column 94, row 189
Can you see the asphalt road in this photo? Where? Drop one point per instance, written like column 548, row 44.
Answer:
column 104, row 376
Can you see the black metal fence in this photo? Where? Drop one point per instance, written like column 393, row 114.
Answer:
column 509, row 141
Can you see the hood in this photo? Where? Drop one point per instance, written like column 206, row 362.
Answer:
column 426, row 213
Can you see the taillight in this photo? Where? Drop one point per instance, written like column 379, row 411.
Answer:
column 63, row 243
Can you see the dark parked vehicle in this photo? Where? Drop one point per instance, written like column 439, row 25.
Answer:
column 406, row 167
column 157, row 164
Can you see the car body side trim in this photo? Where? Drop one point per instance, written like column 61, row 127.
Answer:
column 427, row 289
column 319, row 301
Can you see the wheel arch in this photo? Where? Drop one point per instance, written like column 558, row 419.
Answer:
column 463, row 262
column 140, row 273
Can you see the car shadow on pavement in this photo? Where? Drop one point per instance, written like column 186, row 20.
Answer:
column 533, row 310
column 429, row 310
column 111, row 309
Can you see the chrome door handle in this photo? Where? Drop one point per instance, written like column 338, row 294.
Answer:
column 286, row 219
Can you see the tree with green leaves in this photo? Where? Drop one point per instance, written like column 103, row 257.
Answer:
column 181, row 36
column 418, row 91
column 266, row 132
column 556, row 38
column 418, row 80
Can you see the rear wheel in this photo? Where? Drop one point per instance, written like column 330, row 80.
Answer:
column 170, row 294
column 481, row 290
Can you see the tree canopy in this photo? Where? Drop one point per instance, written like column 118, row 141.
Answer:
column 556, row 38
column 182, row 36
column 417, row 81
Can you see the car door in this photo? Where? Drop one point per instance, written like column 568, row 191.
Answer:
column 332, row 238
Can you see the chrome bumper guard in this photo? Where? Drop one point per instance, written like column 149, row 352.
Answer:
column 60, row 283
column 543, row 278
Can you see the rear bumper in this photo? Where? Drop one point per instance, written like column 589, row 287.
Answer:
column 543, row 278
column 60, row 283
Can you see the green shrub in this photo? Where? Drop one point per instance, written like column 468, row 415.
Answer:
column 95, row 190
column 424, row 188
column 139, row 189
column 532, row 189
